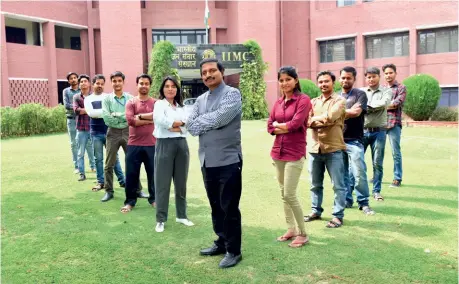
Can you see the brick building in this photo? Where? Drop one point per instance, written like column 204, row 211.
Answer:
column 42, row 41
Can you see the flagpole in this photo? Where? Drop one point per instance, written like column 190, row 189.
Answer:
column 206, row 21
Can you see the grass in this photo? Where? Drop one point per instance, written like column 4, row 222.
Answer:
column 55, row 230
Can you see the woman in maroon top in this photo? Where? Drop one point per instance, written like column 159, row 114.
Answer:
column 288, row 121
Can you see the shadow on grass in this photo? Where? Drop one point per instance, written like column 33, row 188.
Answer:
column 407, row 229
column 429, row 187
column 430, row 201
column 81, row 240
column 415, row 212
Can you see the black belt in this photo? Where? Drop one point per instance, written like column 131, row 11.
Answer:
column 69, row 117
column 374, row 129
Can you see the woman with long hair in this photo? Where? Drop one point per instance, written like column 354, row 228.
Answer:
column 288, row 121
column 172, row 155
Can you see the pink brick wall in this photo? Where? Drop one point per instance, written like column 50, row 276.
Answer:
column 69, row 61
column 26, row 61
column 29, row 91
column 74, row 12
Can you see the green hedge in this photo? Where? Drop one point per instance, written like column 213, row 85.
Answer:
column 310, row 88
column 422, row 95
column 445, row 114
column 31, row 119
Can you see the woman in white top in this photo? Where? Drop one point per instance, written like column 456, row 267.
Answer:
column 172, row 155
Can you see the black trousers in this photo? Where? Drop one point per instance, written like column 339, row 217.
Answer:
column 135, row 156
column 224, row 187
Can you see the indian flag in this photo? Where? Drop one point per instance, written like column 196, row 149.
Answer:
column 206, row 15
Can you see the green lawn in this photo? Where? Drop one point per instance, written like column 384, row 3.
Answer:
column 55, row 230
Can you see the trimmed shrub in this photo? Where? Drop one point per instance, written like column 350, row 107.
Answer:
column 310, row 88
column 445, row 114
column 422, row 95
column 252, row 84
column 160, row 65
column 337, row 86
column 31, row 119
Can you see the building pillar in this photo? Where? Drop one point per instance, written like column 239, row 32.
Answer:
column 149, row 43
column 121, row 41
column 4, row 82
column 360, row 59
column 51, row 64
column 413, row 50
column 91, row 58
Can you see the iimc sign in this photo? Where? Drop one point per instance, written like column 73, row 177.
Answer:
column 235, row 56
column 231, row 55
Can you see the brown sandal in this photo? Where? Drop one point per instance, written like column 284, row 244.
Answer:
column 126, row 208
column 298, row 244
column 98, row 187
column 286, row 237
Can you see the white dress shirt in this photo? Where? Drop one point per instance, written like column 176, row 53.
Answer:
column 164, row 116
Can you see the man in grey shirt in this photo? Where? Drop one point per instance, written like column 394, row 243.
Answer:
column 379, row 98
column 216, row 119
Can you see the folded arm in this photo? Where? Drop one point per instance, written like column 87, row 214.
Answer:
column 230, row 106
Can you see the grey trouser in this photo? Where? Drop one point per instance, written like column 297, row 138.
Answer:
column 172, row 160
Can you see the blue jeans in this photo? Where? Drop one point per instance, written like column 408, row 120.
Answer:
column 98, row 141
column 71, row 129
column 377, row 143
column 355, row 173
column 395, row 134
column 334, row 163
column 84, row 143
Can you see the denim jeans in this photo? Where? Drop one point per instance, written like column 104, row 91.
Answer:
column 355, row 173
column 377, row 143
column 394, row 134
column 71, row 129
column 98, row 141
column 84, row 143
column 334, row 163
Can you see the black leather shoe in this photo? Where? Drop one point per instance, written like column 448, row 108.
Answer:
column 107, row 197
column 142, row 195
column 213, row 250
column 230, row 260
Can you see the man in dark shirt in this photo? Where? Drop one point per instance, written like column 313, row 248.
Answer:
column 82, row 125
column 355, row 175
column 67, row 95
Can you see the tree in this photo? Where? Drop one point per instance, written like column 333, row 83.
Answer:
column 252, row 84
column 422, row 95
column 160, row 65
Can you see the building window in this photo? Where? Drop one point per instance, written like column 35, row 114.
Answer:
column 337, row 50
column 342, row 3
column 437, row 41
column 367, row 1
column 388, row 45
column 143, row 4
column 180, row 36
column 67, row 38
column 22, row 32
column 95, row 4
column 449, row 97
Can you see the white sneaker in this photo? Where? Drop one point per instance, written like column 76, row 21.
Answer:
column 159, row 227
column 76, row 171
column 185, row 222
